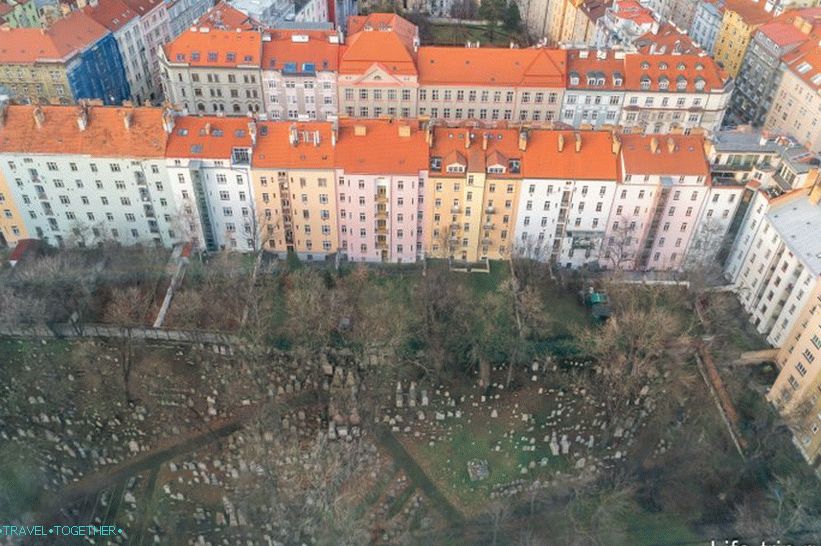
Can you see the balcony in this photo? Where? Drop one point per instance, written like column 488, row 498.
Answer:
column 381, row 214
column 488, row 226
column 486, row 241
column 381, row 196
column 381, row 230
column 490, row 210
column 455, row 209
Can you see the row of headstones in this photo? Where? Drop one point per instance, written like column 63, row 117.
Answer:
column 411, row 397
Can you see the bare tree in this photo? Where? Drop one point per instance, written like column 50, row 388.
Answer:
column 620, row 250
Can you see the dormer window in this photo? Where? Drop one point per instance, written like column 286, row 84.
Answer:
column 680, row 66
column 514, row 166
column 591, row 80
column 700, row 83
column 699, row 66
column 600, row 81
column 231, row 56
column 645, row 65
column 681, row 83
column 180, row 57
column 618, row 79
column 663, row 66
column 574, row 78
column 195, row 55
column 212, row 56
column 645, row 82
column 664, row 83
column 456, row 168
column 496, row 169
column 248, row 58
column 435, row 163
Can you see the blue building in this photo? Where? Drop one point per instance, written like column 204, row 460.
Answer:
column 97, row 72
column 706, row 23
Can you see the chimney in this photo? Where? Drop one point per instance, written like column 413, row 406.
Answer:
column 39, row 117
column 293, row 136
column 82, row 117
column 654, row 145
column 484, row 140
column 334, row 129
column 404, row 130
column 252, row 131
column 128, row 118
column 360, row 130
column 467, row 139
column 168, row 120
column 523, row 135
column 561, row 142
column 671, row 145
column 616, row 144
column 207, row 127
column 578, row 142
column 429, row 133
column 317, row 138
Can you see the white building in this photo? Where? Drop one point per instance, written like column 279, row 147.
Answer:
column 156, row 31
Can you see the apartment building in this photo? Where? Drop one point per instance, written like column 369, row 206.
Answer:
column 182, row 14
column 595, row 88
column 665, row 183
column 761, row 70
column 707, row 18
column 567, row 190
column 624, row 22
column 740, row 20
column 295, row 189
column 797, row 103
column 76, row 58
column 214, row 71
column 299, row 74
column 796, row 390
column 566, row 21
column 377, row 67
column 124, row 24
column 19, row 14
column 736, row 155
column 156, row 31
column 473, row 194
column 773, row 263
column 508, row 85
column 83, row 175
column 208, row 160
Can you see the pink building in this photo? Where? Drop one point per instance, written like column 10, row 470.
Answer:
column 381, row 171
column 657, row 206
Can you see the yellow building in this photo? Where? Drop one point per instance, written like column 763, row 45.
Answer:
column 573, row 20
column 796, row 390
column 293, row 179
column 12, row 226
column 741, row 19
column 475, row 175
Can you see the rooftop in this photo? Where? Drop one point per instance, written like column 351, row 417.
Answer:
column 207, row 47
column 112, row 14
column 752, row 13
column 224, row 16
column 595, row 159
column 294, row 49
column 791, row 27
column 630, row 10
column 311, row 147
column 382, row 148
column 532, row 67
column 743, row 141
column 208, row 137
column 797, row 222
column 668, row 155
column 106, row 133
column 66, row 36
column 380, row 38
column 668, row 39
column 805, row 63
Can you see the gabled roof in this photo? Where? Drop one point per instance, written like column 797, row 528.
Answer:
column 668, row 39
column 314, row 148
column 792, row 27
column 533, row 67
column 105, row 135
column 752, row 13
column 318, row 47
column 449, row 145
column 66, row 36
column 112, row 14
column 687, row 157
column 805, row 63
column 215, row 48
column 690, row 67
column 379, row 38
column 382, row 149
column 630, row 10
column 595, row 159
column 208, row 137
column 224, row 16
column 143, row 6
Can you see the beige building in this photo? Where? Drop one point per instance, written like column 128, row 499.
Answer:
column 797, row 390
column 12, row 227
column 213, row 71
column 796, row 107
column 293, row 181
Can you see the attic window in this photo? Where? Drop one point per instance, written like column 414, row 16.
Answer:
column 289, row 67
column 664, row 83
column 699, row 66
column 456, row 168
column 680, row 66
column 645, row 65
column 195, row 55
column 645, row 82
column 435, row 163
column 239, row 133
column 180, row 57
column 514, row 166
column 217, row 132
column 231, row 56
column 248, row 58
column 574, row 78
column 700, row 83
column 182, row 132
column 496, row 169
column 263, row 131
column 196, row 149
column 309, row 67
column 816, row 80
column 803, row 68
column 212, row 56
column 681, row 83
column 663, row 66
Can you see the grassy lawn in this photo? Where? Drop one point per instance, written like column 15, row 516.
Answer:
column 564, row 307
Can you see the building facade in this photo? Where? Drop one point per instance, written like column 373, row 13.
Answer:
column 738, row 23
column 22, row 14
column 707, row 18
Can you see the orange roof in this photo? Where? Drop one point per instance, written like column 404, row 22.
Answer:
column 533, row 67
column 105, row 135
column 668, row 39
column 379, row 38
column 60, row 41
column 449, row 144
column 112, row 14
column 689, row 67
column 595, row 159
column 224, row 16
column 630, row 10
column 208, row 137
column 687, row 157
column 313, row 150
column 381, row 150
column 783, row 30
column 599, row 64
column 310, row 46
column 805, row 63
column 215, row 48
column 143, row 6
column 752, row 13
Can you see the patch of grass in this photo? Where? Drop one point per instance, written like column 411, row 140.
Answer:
column 401, row 500
column 563, row 306
column 647, row 529
column 456, row 34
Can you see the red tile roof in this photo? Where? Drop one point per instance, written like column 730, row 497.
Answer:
column 690, row 67
column 381, row 150
column 667, row 40
column 59, row 42
column 105, row 135
column 687, row 157
column 313, row 150
column 449, row 144
column 208, row 137
column 630, row 10
column 319, row 47
column 112, row 14
column 224, row 16
column 143, row 6
column 379, row 38
column 752, row 13
column 595, row 159
column 215, row 48
column 784, row 30
column 532, row 67
column 805, row 63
